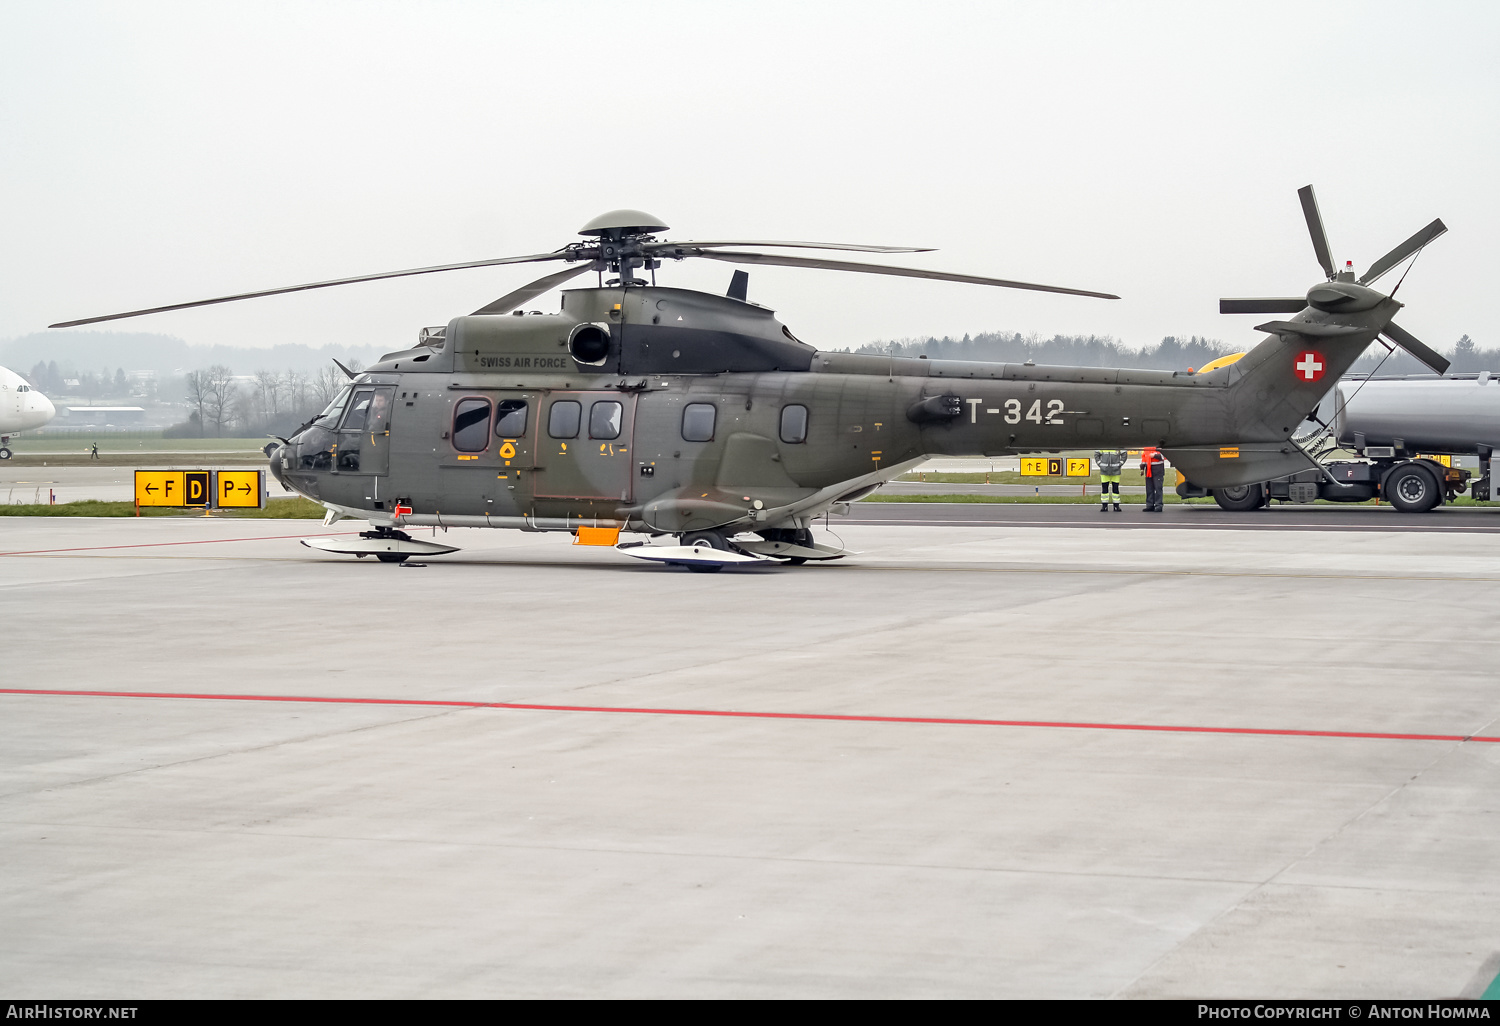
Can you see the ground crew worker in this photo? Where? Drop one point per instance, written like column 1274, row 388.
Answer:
column 1111, row 462
column 1153, row 467
column 94, row 451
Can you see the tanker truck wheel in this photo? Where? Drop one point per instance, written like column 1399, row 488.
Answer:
column 1240, row 498
column 1412, row 490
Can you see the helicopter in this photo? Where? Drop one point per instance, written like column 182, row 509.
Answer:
column 668, row 412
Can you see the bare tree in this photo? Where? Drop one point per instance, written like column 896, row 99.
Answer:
column 221, row 396
column 326, row 384
column 268, row 387
column 199, row 387
column 297, row 390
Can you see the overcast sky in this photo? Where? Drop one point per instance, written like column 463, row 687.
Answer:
column 159, row 152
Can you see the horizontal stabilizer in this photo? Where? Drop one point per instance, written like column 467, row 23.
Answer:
column 1307, row 330
column 1289, row 304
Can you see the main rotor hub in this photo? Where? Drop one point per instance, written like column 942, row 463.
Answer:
column 620, row 234
column 621, row 224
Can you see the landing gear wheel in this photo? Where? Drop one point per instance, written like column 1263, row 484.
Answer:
column 4, row 453
column 706, row 540
column 1412, row 490
column 393, row 557
column 1240, row 498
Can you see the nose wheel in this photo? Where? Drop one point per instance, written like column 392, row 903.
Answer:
column 4, row 453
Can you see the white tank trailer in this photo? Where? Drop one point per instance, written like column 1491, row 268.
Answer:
column 1390, row 423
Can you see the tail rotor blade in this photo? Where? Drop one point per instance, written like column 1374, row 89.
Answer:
column 901, row 272
column 526, row 293
column 1406, row 249
column 1406, row 340
column 1315, row 229
column 1290, row 304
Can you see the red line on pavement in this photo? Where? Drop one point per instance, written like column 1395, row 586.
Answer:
column 746, row 714
column 196, row 541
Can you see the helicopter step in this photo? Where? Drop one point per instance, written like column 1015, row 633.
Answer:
column 702, row 556
column 386, row 546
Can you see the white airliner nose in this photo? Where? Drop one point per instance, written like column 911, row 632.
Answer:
column 40, row 409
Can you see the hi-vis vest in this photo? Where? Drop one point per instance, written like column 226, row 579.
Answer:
column 1111, row 461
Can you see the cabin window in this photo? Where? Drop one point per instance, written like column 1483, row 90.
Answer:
column 563, row 418
column 604, row 419
column 794, row 424
column 698, row 422
column 510, row 418
column 471, row 425
column 359, row 410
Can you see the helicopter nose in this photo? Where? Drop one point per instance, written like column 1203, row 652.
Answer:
column 274, row 452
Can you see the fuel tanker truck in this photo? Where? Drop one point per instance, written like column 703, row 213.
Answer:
column 1402, row 432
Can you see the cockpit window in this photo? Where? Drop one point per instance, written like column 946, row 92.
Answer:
column 359, row 410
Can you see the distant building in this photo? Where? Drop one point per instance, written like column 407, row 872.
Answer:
column 103, row 416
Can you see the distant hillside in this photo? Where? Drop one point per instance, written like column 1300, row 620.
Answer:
column 1169, row 354
column 1065, row 350
column 76, row 352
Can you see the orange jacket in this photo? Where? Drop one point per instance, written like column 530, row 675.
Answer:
column 1152, row 460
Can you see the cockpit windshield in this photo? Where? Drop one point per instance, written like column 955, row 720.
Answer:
column 331, row 414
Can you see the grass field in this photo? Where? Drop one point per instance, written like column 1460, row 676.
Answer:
column 130, row 441
column 1127, row 477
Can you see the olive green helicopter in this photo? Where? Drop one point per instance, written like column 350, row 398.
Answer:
column 701, row 419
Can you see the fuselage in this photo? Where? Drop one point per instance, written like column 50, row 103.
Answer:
column 668, row 410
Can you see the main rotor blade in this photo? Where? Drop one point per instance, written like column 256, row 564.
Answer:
column 314, row 285
column 526, row 293
column 1406, row 249
column 1290, row 304
column 666, row 248
column 1406, row 340
column 902, row 272
column 1315, row 229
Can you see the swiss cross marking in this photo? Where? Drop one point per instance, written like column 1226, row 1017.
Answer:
column 1309, row 365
